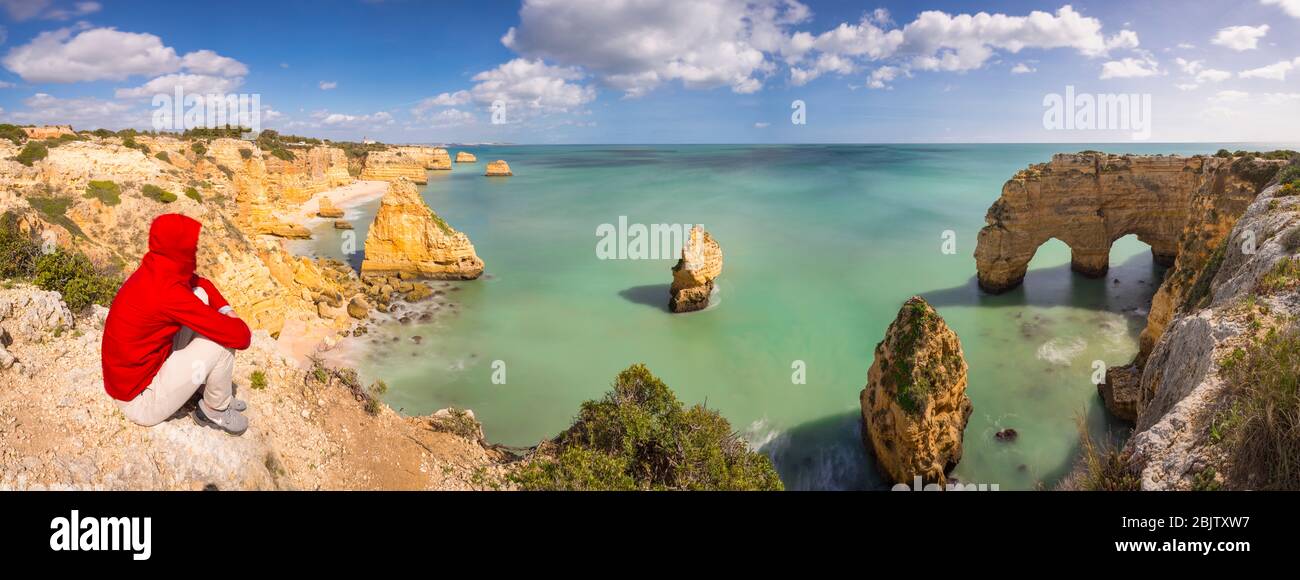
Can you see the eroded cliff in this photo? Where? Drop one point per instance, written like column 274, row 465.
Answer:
column 407, row 236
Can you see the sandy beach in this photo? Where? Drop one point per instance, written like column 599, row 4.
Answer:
column 343, row 197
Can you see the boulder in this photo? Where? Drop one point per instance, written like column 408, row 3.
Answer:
column 327, row 209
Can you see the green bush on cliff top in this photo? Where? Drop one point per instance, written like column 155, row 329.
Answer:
column 32, row 152
column 640, row 437
column 1262, row 433
column 157, row 194
column 105, row 191
column 64, row 271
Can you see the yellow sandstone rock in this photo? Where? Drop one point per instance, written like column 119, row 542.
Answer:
column 465, row 157
column 693, row 275
column 327, row 209
column 498, row 168
column 397, row 163
column 408, row 237
column 914, row 407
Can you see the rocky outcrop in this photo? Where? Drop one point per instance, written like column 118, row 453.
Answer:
column 407, row 236
column 1087, row 200
column 48, row 131
column 694, row 272
column 243, row 164
column 292, row 182
column 397, row 163
column 60, row 431
column 1181, row 391
column 914, row 406
column 498, row 168
column 465, row 157
column 326, row 209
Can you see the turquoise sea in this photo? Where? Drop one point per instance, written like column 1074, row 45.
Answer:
column 822, row 245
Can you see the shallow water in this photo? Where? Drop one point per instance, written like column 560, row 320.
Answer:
column 822, row 245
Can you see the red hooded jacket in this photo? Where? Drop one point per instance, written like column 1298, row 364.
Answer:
column 155, row 302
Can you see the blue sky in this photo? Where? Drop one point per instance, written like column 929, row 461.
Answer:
column 664, row 71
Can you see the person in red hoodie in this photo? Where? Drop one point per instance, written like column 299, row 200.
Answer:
column 170, row 333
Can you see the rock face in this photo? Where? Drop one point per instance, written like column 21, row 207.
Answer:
column 1087, row 200
column 48, row 131
column 327, row 209
column 292, row 182
column 408, row 237
column 397, row 163
column 498, row 168
column 693, row 275
column 914, row 407
column 1180, row 392
column 465, row 157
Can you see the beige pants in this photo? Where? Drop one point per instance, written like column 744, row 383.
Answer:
column 195, row 363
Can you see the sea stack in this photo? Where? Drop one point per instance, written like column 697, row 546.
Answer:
column 693, row 275
column 327, row 209
column 440, row 161
column 394, row 164
column 465, row 157
column 498, row 168
column 914, row 407
column 408, row 237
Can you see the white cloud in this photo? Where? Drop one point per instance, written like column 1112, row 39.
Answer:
column 637, row 46
column 1279, row 98
column 455, row 99
column 762, row 125
column 1187, row 86
column 881, row 77
column 451, row 118
column 1022, row 69
column 78, row 9
column 1291, row 7
column 328, row 119
column 1276, row 71
column 81, row 112
column 1186, row 45
column 1229, row 96
column 532, row 85
column 92, row 55
column 1190, row 67
column 24, row 9
column 206, row 62
column 328, row 85
column 1240, row 37
column 1211, row 75
column 1128, row 68
column 189, row 83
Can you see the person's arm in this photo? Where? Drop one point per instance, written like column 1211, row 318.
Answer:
column 186, row 308
column 215, row 299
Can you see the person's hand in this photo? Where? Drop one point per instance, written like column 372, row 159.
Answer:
column 228, row 311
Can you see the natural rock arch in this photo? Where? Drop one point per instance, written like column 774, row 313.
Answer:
column 1088, row 201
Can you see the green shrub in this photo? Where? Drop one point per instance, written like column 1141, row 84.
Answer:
column 1263, row 439
column 73, row 275
column 199, row 148
column 246, row 154
column 61, row 139
column 32, row 152
column 1103, row 466
column 18, row 251
column 1284, row 276
column 193, row 194
column 1289, row 175
column 157, row 194
column 13, row 133
column 639, row 436
column 257, row 380
column 106, row 191
column 162, row 156
column 1223, row 153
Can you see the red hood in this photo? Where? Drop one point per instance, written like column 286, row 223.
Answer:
column 173, row 246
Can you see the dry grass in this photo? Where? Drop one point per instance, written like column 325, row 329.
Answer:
column 1262, row 424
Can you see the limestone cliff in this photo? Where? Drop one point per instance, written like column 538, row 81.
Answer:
column 397, row 163
column 914, row 406
column 313, row 170
column 498, row 168
column 1184, row 400
column 407, row 236
column 694, row 272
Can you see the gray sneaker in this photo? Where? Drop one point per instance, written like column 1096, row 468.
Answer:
column 238, row 405
column 229, row 420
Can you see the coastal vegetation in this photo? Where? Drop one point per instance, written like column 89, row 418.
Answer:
column 1102, row 466
column 65, row 271
column 1260, row 428
column 105, row 191
column 640, row 437
column 162, row 156
column 13, row 133
column 157, row 194
column 32, row 152
column 193, row 194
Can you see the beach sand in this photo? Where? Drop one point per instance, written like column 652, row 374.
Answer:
column 344, row 197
